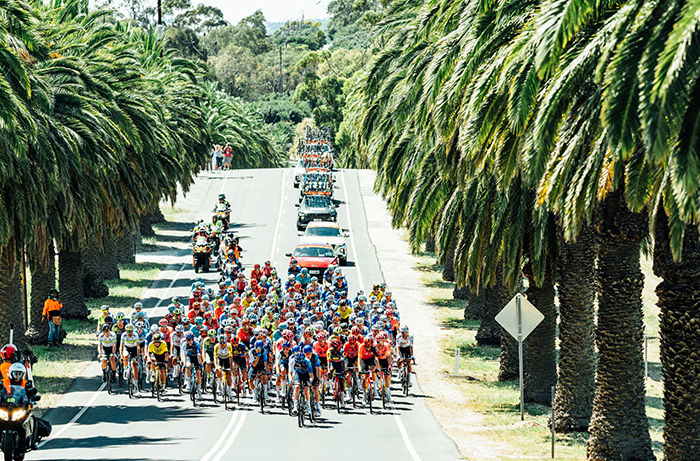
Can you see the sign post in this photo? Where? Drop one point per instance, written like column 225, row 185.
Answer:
column 519, row 318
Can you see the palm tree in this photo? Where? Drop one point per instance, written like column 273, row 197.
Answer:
column 43, row 281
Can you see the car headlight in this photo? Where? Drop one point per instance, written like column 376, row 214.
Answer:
column 18, row 414
column 4, row 415
column 302, row 215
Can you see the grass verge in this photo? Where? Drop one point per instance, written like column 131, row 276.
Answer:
column 497, row 403
column 59, row 366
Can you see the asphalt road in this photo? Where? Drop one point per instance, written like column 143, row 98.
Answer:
column 90, row 424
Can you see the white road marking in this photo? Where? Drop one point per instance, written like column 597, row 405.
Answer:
column 224, row 183
column 397, row 418
column 222, row 437
column 231, row 438
column 279, row 217
column 94, row 397
column 352, row 234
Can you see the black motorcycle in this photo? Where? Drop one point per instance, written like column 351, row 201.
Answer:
column 201, row 255
column 20, row 429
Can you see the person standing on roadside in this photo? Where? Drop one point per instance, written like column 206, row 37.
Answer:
column 227, row 156
column 52, row 314
column 219, row 157
column 214, row 163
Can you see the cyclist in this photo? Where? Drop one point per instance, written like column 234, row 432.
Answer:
column 222, row 361
column 405, row 344
column 302, row 370
column 106, row 348
column 191, row 357
column 367, row 363
column 282, row 366
column 257, row 359
column 294, row 268
column 130, row 349
column 316, row 366
column 385, row 356
column 158, row 354
column 337, row 363
column 256, row 272
column 176, row 339
column 136, row 312
column 239, row 354
column 103, row 318
column 208, row 345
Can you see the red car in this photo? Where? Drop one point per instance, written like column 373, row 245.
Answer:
column 314, row 257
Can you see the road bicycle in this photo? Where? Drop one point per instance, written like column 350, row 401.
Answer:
column 157, row 388
column 194, row 387
column 338, row 381
column 259, row 392
column 120, row 373
column 238, row 383
column 301, row 405
column 141, row 374
column 369, row 391
column 404, row 377
column 380, row 386
column 324, row 386
column 109, row 373
column 354, row 385
column 131, row 380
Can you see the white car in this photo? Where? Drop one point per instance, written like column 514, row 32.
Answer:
column 327, row 233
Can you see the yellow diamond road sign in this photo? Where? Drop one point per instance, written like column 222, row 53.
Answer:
column 529, row 317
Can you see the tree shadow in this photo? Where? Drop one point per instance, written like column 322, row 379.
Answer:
column 458, row 323
column 439, row 283
column 655, row 402
column 481, row 352
column 104, row 442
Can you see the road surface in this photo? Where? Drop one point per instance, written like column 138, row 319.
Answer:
column 90, row 424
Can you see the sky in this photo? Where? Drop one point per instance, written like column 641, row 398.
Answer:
column 274, row 10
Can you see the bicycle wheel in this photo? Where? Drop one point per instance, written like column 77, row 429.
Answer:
column 130, row 382
column 157, row 383
column 338, row 395
column 323, row 394
column 239, row 388
column 301, row 405
column 214, row 383
column 109, row 379
column 404, row 381
column 261, row 396
column 290, row 405
column 180, row 381
column 120, row 370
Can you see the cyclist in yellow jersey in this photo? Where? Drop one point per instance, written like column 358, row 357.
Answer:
column 158, row 355
column 223, row 352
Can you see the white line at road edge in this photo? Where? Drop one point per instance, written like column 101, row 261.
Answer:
column 222, row 437
column 172, row 282
column 231, row 438
column 352, row 234
column 77, row 416
column 397, row 418
column 279, row 217
column 224, row 183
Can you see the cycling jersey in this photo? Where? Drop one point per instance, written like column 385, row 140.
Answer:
column 159, row 349
column 191, row 349
column 109, row 340
column 335, row 355
column 321, row 348
column 239, row 350
column 208, row 345
column 223, row 351
column 367, row 354
column 383, row 351
column 130, row 340
column 404, row 342
column 351, row 350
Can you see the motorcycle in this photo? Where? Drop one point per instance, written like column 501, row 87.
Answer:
column 224, row 214
column 20, row 429
column 201, row 255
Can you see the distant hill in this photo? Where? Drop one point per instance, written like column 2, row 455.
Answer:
column 273, row 27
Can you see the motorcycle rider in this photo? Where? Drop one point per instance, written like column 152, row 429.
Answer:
column 16, row 377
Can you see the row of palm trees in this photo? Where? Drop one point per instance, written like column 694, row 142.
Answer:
column 549, row 139
column 98, row 123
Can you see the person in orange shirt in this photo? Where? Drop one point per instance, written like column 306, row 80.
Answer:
column 52, row 314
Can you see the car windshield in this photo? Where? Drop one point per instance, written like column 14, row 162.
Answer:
column 323, row 231
column 316, row 252
column 316, row 202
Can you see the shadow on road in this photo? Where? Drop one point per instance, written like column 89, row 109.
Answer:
column 104, row 442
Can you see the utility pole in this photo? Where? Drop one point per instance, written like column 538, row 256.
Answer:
column 160, row 13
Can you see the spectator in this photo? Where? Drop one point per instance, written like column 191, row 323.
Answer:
column 214, row 159
column 52, row 314
column 227, row 156
column 219, row 157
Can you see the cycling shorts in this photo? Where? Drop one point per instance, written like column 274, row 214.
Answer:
column 194, row 361
column 107, row 350
column 160, row 358
column 350, row 362
column 301, row 378
column 405, row 352
column 240, row 362
column 338, row 368
column 324, row 362
column 260, row 368
column 176, row 351
column 132, row 351
column 384, row 365
column 225, row 363
column 210, row 354
column 367, row 364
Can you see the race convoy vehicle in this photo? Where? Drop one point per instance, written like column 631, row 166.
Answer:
column 299, row 170
column 315, row 207
column 327, row 233
column 316, row 258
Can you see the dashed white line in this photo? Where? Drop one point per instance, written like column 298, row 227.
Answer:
column 397, row 418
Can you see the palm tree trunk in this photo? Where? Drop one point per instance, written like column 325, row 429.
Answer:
column 12, row 307
column 619, row 427
column 576, row 287
column 110, row 266
column 474, row 309
column 70, row 282
column 125, row 247
column 541, row 368
column 430, row 242
column 92, row 266
column 679, row 301
column 489, row 333
column 43, row 281
column 448, row 271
